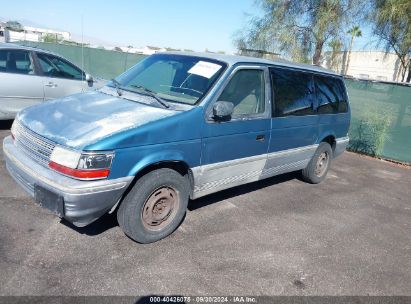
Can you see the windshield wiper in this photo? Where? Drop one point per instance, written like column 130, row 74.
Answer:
column 118, row 86
column 152, row 94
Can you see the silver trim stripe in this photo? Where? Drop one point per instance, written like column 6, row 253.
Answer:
column 285, row 168
column 226, row 181
column 342, row 140
column 215, row 177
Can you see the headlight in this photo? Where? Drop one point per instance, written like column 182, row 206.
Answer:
column 86, row 165
column 95, row 161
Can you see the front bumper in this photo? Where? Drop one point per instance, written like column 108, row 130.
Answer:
column 79, row 202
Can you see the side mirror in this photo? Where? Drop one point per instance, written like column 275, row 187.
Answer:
column 222, row 110
column 89, row 78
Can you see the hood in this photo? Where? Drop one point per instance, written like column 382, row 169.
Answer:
column 83, row 119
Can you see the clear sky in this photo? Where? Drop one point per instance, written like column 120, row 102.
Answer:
column 191, row 24
column 188, row 24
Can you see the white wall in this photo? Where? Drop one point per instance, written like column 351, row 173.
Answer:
column 3, row 38
column 43, row 32
column 32, row 34
column 16, row 36
column 366, row 64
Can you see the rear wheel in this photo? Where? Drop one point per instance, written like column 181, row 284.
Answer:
column 317, row 168
column 155, row 206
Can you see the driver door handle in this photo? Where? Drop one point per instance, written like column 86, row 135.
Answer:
column 51, row 84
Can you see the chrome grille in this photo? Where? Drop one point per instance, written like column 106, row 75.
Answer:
column 33, row 145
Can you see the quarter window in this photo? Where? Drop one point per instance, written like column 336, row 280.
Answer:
column 16, row 61
column 246, row 91
column 293, row 92
column 330, row 95
column 56, row 67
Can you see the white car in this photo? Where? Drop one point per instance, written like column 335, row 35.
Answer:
column 30, row 76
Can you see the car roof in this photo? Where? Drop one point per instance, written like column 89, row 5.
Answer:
column 23, row 47
column 236, row 59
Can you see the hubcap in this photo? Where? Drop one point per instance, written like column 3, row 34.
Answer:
column 322, row 164
column 160, row 208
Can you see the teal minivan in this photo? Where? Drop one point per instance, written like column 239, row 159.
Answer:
column 177, row 126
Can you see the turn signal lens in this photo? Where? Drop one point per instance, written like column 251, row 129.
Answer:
column 81, row 174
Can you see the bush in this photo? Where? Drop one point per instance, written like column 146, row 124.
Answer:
column 369, row 133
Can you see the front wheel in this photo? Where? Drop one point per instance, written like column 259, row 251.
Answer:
column 155, row 206
column 319, row 164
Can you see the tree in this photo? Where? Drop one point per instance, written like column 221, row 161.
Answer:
column 336, row 46
column 14, row 26
column 299, row 28
column 355, row 31
column 52, row 38
column 392, row 25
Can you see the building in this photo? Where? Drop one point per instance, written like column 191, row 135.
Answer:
column 3, row 32
column 29, row 33
column 146, row 50
column 376, row 65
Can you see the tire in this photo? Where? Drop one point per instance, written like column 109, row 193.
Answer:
column 155, row 206
column 317, row 168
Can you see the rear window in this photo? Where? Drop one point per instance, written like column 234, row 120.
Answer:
column 16, row 61
column 331, row 95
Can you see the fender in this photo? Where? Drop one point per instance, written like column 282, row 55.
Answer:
column 325, row 134
column 158, row 157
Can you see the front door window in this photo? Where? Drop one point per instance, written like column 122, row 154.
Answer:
column 246, row 91
column 56, row 67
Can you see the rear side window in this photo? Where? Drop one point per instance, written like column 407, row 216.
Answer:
column 16, row 61
column 293, row 92
column 331, row 95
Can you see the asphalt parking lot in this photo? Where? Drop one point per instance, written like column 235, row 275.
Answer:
column 350, row 235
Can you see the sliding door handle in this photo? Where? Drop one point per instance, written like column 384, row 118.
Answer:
column 260, row 137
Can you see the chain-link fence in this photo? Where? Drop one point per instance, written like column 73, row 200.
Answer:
column 381, row 112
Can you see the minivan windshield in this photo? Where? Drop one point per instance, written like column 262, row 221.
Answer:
column 172, row 78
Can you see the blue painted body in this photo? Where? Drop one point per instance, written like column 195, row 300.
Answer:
column 234, row 140
column 142, row 134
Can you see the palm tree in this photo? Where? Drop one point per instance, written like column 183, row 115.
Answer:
column 354, row 32
column 336, row 46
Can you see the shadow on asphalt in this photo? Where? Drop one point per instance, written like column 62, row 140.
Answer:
column 5, row 124
column 109, row 221
column 104, row 223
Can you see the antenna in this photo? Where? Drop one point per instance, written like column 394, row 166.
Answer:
column 82, row 48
